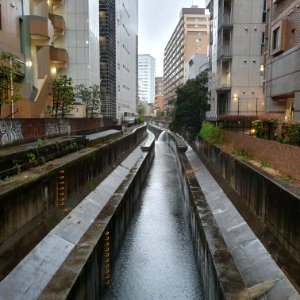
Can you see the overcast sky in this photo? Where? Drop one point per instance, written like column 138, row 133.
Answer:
column 157, row 21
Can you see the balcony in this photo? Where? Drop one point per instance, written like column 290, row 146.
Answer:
column 58, row 55
column 58, row 23
column 225, row 53
column 38, row 27
column 225, row 20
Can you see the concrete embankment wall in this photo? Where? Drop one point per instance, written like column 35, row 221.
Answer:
column 75, row 259
column 269, row 201
column 32, row 200
column 232, row 262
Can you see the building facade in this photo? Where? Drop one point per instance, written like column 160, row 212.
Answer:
column 195, row 66
column 118, row 27
column 31, row 30
column 146, row 77
column 282, row 58
column 190, row 37
column 236, row 66
column 82, row 41
column 159, row 86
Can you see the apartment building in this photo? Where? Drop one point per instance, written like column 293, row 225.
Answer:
column 190, row 37
column 159, row 96
column 30, row 30
column 118, row 27
column 236, row 66
column 146, row 77
column 282, row 58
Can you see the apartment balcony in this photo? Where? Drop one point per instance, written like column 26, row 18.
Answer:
column 225, row 20
column 20, row 69
column 58, row 55
column 58, row 23
column 38, row 27
column 225, row 53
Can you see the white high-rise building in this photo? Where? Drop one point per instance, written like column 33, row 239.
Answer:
column 82, row 41
column 118, row 57
column 146, row 77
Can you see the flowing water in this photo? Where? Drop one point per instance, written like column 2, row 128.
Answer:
column 156, row 260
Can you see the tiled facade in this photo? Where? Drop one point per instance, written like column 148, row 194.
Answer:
column 190, row 37
column 282, row 58
column 81, row 40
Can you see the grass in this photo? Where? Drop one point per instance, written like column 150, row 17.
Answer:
column 265, row 164
column 243, row 154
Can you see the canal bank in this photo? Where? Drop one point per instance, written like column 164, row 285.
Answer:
column 233, row 262
column 156, row 260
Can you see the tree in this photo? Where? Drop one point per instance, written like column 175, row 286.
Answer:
column 62, row 96
column 91, row 96
column 190, row 106
column 8, row 74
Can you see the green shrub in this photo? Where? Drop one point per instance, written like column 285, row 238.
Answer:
column 210, row 133
column 139, row 120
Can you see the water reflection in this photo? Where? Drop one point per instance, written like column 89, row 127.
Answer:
column 156, row 260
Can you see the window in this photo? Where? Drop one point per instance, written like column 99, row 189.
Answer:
column 276, row 38
column 279, row 37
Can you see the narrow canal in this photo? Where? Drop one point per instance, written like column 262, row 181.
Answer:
column 156, row 260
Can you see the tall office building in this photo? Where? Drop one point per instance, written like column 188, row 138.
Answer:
column 118, row 57
column 31, row 30
column 189, row 37
column 236, row 60
column 146, row 77
column 82, row 42
column 282, row 58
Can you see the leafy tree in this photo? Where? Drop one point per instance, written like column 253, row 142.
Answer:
column 8, row 71
column 141, row 109
column 62, row 96
column 91, row 96
column 190, row 106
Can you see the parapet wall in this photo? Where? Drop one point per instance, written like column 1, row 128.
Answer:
column 269, row 201
column 32, row 200
column 232, row 262
column 16, row 130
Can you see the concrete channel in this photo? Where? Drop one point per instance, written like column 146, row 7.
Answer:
column 75, row 260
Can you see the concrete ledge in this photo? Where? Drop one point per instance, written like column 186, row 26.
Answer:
column 232, row 261
column 65, row 253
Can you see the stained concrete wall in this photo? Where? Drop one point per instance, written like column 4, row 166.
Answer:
column 74, row 260
column 16, row 130
column 232, row 262
column 34, row 199
column 270, row 202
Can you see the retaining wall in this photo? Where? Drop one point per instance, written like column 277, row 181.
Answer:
column 18, row 130
column 32, row 200
column 75, row 259
column 233, row 263
column 271, row 203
